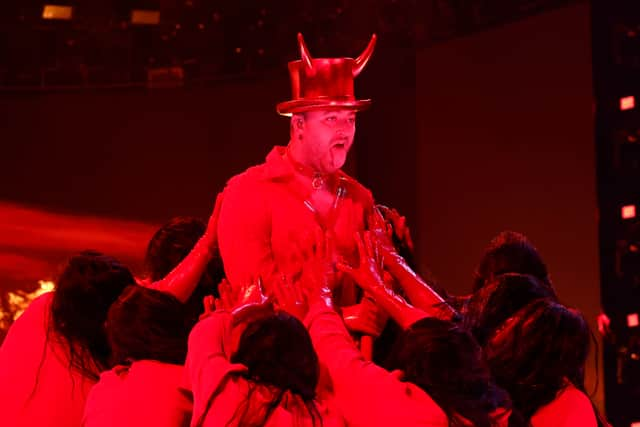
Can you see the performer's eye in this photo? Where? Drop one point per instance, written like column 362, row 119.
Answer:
column 331, row 119
column 352, row 120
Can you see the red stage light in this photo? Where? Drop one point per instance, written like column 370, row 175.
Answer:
column 628, row 211
column 632, row 320
column 145, row 17
column 627, row 103
column 52, row 11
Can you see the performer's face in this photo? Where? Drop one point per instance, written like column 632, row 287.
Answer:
column 328, row 136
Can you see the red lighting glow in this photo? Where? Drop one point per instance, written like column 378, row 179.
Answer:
column 145, row 17
column 34, row 241
column 628, row 211
column 627, row 103
column 632, row 320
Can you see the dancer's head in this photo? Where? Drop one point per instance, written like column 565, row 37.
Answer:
column 444, row 360
column 146, row 324
column 277, row 350
column 169, row 246
column 85, row 290
column 509, row 252
column 491, row 305
column 537, row 352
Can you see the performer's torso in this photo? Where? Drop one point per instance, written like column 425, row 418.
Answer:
column 270, row 221
column 297, row 221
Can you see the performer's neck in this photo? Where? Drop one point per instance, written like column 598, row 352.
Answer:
column 316, row 179
column 300, row 162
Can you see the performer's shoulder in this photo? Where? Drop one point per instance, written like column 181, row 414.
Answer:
column 357, row 190
column 249, row 177
column 273, row 168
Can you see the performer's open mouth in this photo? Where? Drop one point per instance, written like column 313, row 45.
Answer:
column 338, row 154
column 339, row 143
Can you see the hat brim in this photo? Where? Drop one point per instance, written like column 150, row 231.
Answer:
column 288, row 108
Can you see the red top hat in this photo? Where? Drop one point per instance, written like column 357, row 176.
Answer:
column 324, row 83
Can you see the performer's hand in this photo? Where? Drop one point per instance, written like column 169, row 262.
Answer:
column 211, row 233
column 365, row 318
column 290, row 297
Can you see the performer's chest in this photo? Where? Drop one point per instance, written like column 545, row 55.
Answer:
column 295, row 220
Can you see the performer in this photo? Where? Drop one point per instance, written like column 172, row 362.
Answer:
column 272, row 211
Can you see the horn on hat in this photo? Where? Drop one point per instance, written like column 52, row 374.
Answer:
column 361, row 61
column 304, row 52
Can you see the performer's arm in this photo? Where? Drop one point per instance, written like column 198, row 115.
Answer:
column 244, row 232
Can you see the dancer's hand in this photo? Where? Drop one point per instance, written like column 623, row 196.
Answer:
column 381, row 232
column 290, row 297
column 318, row 270
column 400, row 229
column 228, row 296
column 210, row 305
column 251, row 302
column 365, row 318
column 368, row 274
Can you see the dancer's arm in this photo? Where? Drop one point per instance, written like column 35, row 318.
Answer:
column 184, row 278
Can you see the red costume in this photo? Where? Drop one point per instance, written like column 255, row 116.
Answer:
column 570, row 408
column 219, row 389
column 268, row 219
column 265, row 220
column 38, row 388
column 366, row 394
column 146, row 393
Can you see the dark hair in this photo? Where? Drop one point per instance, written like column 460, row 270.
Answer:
column 445, row 361
column 169, row 246
column 278, row 353
column 85, row 290
column 489, row 307
column 541, row 348
column 146, row 324
column 509, row 252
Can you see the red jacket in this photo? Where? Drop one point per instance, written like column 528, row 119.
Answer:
column 264, row 221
